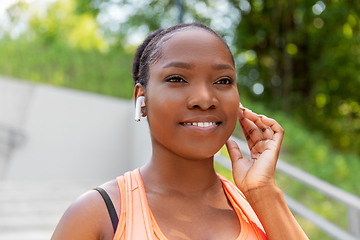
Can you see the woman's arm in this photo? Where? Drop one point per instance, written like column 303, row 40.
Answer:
column 81, row 219
column 86, row 218
column 255, row 176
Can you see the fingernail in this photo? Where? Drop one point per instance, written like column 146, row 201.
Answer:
column 241, row 106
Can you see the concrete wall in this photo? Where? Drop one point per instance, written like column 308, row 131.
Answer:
column 68, row 134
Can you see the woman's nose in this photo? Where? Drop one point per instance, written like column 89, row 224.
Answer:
column 203, row 97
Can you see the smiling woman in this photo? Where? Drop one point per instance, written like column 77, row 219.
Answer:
column 187, row 76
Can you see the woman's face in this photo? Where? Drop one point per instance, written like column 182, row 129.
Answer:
column 192, row 100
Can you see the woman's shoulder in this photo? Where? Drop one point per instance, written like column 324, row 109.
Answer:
column 87, row 217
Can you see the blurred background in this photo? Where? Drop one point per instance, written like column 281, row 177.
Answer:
column 297, row 61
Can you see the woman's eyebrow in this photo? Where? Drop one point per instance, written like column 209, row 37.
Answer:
column 222, row 66
column 190, row 66
column 179, row 65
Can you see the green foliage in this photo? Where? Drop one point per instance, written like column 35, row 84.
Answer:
column 61, row 65
column 308, row 62
column 67, row 49
column 63, row 26
column 317, row 202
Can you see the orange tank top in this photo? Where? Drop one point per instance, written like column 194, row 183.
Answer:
column 137, row 221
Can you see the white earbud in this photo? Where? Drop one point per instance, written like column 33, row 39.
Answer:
column 140, row 102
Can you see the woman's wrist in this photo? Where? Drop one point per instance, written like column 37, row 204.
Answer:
column 269, row 205
column 264, row 194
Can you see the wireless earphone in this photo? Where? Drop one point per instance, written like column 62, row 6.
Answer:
column 140, row 102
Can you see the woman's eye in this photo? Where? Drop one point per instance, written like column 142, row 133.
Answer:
column 175, row 79
column 224, row 81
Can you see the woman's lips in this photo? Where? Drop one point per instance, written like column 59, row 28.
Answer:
column 201, row 127
column 201, row 124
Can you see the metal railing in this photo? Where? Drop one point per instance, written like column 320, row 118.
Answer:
column 351, row 201
column 10, row 137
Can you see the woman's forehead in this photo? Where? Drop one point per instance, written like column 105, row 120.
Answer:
column 194, row 43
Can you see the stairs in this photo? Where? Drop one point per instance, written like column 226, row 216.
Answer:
column 31, row 210
column 55, row 144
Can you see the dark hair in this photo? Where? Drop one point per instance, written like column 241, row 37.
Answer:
column 150, row 50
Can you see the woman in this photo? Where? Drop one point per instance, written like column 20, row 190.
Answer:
column 186, row 74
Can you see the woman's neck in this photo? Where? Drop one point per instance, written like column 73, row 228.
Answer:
column 168, row 172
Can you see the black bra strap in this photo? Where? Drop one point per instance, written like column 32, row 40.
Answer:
column 110, row 207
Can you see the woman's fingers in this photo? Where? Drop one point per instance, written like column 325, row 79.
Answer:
column 250, row 129
column 233, row 150
column 240, row 165
column 264, row 136
column 277, row 130
column 256, row 119
column 258, row 130
column 252, row 121
column 268, row 134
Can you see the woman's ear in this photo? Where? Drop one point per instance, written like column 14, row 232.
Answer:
column 139, row 91
column 139, row 97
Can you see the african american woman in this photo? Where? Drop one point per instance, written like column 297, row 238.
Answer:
column 185, row 84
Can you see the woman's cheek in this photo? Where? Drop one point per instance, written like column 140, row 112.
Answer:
column 161, row 113
column 233, row 103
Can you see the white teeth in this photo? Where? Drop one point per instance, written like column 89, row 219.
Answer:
column 201, row 124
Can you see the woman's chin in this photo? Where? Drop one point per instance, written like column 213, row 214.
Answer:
column 199, row 153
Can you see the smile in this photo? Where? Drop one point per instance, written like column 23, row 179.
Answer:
column 200, row 124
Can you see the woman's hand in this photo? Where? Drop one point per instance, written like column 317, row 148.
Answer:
column 264, row 137
column 255, row 176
